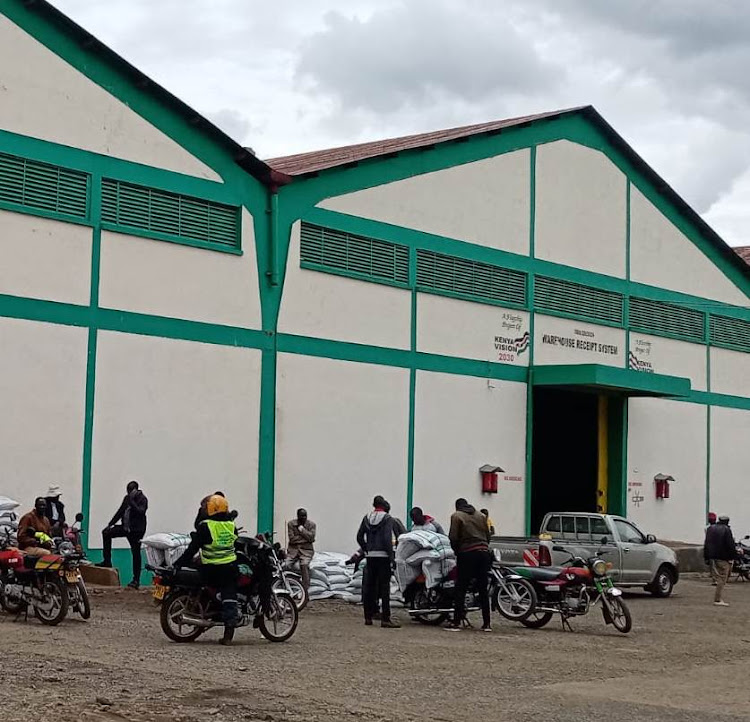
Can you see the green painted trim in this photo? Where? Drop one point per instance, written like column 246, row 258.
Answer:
column 611, row 378
column 708, row 460
column 180, row 240
column 267, row 440
column 27, row 211
column 531, row 291
column 617, row 449
column 626, row 299
column 34, row 309
column 412, row 398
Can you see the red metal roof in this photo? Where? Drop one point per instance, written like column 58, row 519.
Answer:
column 744, row 253
column 318, row 160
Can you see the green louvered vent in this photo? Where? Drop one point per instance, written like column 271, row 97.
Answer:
column 733, row 332
column 43, row 187
column 157, row 211
column 662, row 318
column 471, row 279
column 324, row 249
column 575, row 299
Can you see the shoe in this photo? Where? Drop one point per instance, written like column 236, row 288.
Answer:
column 721, row 604
column 368, row 622
column 390, row 624
column 226, row 640
column 452, row 627
column 487, row 628
column 105, row 565
column 134, row 585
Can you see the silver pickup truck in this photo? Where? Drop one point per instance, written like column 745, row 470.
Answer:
column 637, row 559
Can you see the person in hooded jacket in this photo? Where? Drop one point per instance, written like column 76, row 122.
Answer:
column 470, row 539
column 720, row 549
column 425, row 522
column 375, row 537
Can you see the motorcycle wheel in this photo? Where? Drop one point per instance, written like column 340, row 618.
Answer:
column 82, row 605
column 619, row 614
column 56, row 607
column 536, row 620
column 515, row 600
column 172, row 609
column 432, row 620
column 281, row 623
column 12, row 607
column 300, row 597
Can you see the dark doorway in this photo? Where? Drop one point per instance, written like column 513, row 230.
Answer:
column 564, row 461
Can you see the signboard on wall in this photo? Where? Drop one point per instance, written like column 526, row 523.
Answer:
column 511, row 342
column 564, row 341
column 657, row 355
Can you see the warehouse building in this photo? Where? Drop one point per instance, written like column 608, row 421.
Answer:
column 525, row 296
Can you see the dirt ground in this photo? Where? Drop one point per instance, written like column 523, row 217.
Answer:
column 684, row 660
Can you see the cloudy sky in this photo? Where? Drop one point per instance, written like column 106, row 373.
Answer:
column 670, row 75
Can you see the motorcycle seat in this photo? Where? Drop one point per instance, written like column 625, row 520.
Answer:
column 541, row 574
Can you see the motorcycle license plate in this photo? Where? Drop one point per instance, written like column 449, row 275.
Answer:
column 159, row 591
column 71, row 577
column 553, row 587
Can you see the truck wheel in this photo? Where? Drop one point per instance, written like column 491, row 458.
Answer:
column 663, row 583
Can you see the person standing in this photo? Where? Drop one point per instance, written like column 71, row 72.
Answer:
column 375, row 537
column 55, row 510
column 720, row 550
column 301, row 534
column 34, row 530
column 132, row 514
column 215, row 540
column 470, row 537
column 711, row 521
column 490, row 523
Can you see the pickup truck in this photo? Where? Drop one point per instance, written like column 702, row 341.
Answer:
column 637, row 559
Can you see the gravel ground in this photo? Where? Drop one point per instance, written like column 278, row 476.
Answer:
column 684, row 660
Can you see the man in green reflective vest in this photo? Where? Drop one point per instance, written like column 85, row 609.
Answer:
column 214, row 539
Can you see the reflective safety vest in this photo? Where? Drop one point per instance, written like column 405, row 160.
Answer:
column 221, row 548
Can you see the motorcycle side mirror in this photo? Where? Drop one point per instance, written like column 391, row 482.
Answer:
column 79, row 516
column 650, row 539
column 604, row 541
column 233, row 514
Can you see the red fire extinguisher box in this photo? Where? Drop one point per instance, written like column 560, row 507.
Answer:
column 489, row 478
column 661, row 484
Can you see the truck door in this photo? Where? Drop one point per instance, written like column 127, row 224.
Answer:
column 600, row 530
column 637, row 556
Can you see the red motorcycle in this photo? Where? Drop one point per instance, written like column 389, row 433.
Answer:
column 42, row 584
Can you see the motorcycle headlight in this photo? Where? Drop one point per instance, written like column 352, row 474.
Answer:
column 599, row 567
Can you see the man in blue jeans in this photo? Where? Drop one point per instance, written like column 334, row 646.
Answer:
column 375, row 537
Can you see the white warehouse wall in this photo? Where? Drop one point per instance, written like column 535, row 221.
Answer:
column 45, row 259
column 341, row 438
column 581, row 207
column 43, row 391
column 462, row 423
column 730, row 372
column 324, row 305
column 730, row 461
column 44, row 97
column 180, row 417
column 495, row 213
column 667, row 437
column 178, row 281
column 661, row 256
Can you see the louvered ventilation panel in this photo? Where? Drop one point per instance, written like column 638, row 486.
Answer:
column 668, row 319
column 575, row 299
column 30, row 184
column 149, row 209
column 732, row 332
column 325, row 249
column 474, row 280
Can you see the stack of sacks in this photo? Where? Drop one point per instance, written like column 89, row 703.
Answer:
column 423, row 552
column 163, row 550
column 8, row 521
column 353, row 592
column 329, row 575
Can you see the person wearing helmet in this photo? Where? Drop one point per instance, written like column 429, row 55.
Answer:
column 720, row 550
column 214, row 540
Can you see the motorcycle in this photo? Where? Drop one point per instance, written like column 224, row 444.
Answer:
column 69, row 545
column 573, row 589
column 284, row 579
column 510, row 595
column 741, row 563
column 44, row 584
column 189, row 608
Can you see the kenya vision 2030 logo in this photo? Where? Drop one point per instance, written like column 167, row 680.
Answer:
column 637, row 364
column 509, row 349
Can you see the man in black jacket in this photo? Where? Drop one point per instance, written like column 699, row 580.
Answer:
column 132, row 513
column 720, row 550
column 375, row 537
